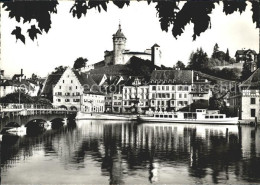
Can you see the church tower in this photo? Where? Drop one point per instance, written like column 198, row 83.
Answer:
column 119, row 41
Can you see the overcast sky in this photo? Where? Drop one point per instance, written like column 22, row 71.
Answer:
column 88, row 37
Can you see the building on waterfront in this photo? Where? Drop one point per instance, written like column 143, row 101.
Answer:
column 120, row 55
column 169, row 90
column 135, row 95
column 201, row 89
column 92, row 102
column 74, row 88
column 245, row 100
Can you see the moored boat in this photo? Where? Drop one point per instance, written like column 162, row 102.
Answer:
column 104, row 116
column 200, row 116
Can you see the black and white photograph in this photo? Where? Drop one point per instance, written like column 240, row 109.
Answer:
column 129, row 92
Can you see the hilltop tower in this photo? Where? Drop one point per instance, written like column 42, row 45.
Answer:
column 156, row 54
column 119, row 41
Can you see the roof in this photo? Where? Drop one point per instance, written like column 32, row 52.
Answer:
column 173, row 76
column 119, row 32
column 136, row 53
column 50, row 81
column 155, row 45
column 243, row 52
column 253, row 82
column 97, row 77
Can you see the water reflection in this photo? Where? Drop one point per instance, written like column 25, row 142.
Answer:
column 118, row 153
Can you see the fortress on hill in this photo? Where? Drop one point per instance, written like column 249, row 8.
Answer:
column 120, row 55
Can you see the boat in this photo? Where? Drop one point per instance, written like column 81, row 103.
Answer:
column 200, row 116
column 104, row 116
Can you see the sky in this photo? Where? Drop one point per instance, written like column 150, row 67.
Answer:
column 88, row 37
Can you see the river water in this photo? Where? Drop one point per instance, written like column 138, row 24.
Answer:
column 116, row 152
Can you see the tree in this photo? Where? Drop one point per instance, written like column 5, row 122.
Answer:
column 198, row 60
column 180, row 65
column 169, row 12
column 79, row 63
column 227, row 57
column 246, row 71
column 215, row 51
column 59, row 70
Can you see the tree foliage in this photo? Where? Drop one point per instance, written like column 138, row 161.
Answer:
column 79, row 63
column 169, row 13
column 180, row 65
column 198, row 60
column 59, row 70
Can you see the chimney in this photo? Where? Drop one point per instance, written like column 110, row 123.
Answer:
column 21, row 71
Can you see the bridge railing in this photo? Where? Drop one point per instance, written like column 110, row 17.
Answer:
column 23, row 106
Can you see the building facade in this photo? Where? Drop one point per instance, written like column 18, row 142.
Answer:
column 93, row 102
column 245, row 100
column 135, row 96
column 68, row 90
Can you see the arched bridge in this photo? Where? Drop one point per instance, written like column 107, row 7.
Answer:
column 45, row 116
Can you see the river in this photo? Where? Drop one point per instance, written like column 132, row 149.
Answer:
column 116, row 152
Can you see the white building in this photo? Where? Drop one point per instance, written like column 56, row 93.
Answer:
column 74, row 88
column 93, row 102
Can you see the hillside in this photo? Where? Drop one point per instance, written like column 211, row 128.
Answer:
column 134, row 67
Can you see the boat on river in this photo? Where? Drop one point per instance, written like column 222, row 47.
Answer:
column 104, row 116
column 201, row 116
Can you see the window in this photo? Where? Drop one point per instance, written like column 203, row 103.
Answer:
column 186, row 88
column 159, row 87
column 76, row 87
column 180, row 95
column 185, row 95
column 71, row 81
column 170, row 116
column 161, row 116
column 179, row 88
column 167, row 88
column 115, row 97
column 157, row 116
column 67, row 100
column 220, row 116
column 58, row 100
column 152, row 102
column 252, row 101
column 70, row 88
column 173, row 88
column 63, row 81
column 252, row 112
column 207, row 117
column 163, row 88
column 60, row 87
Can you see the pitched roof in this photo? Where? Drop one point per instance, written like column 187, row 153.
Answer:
column 155, row 45
column 174, row 76
column 50, row 81
column 119, row 33
column 243, row 52
column 253, row 82
column 97, row 77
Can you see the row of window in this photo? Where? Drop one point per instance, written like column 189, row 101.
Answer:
column 165, row 116
column 67, row 94
column 70, row 87
column 133, row 90
column 167, row 95
column 68, row 100
column 167, row 88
